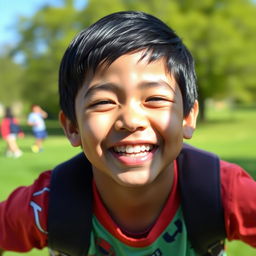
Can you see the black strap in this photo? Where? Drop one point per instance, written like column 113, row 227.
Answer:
column 70, row 207
column 199, row 180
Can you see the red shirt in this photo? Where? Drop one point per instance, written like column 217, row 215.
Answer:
column 23, row 216
column 6, row 126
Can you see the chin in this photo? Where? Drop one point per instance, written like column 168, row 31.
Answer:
column 135, row 179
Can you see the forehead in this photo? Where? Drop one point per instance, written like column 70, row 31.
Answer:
column 132, row 67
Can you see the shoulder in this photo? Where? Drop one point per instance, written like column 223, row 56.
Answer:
column 31, row 115
column 15, row 120
column 5, row 120
column 236, row 183
column 43, row 179
column 26, row 209
column 232, row 175
column 22, row 197
column 39, row 201
column 239, row 202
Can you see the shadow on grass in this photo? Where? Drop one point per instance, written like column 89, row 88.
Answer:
column 249, row 164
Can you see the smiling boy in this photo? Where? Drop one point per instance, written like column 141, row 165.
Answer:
column 130, row 125
column 128, row 98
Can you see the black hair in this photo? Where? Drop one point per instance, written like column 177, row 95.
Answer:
column 118, row 34
column 8, row 113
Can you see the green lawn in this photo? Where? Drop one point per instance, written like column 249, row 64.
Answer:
column 229, row 134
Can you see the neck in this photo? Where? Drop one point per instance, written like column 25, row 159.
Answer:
column 135, row 209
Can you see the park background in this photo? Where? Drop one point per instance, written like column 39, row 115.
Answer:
column 220, row 34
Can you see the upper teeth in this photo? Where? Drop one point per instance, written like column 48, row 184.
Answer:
column 133, row 148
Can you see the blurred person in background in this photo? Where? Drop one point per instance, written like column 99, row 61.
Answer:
column 36, row 120
column 10, row 130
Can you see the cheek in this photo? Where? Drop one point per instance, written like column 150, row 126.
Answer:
column 169, row 123
column 94, row 131
column 171, row 133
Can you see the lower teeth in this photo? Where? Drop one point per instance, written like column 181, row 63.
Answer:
column 134, row 154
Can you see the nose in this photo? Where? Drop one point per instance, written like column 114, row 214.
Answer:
column 132, row 118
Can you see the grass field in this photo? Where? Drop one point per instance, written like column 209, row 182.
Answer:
column 231, row 134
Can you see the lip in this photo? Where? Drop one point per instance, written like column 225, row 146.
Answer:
column 133, row 143
column 134, row 158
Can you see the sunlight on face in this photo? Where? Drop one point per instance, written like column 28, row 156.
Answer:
column 130, row 119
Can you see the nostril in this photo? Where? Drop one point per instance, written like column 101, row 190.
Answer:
column 131, row 124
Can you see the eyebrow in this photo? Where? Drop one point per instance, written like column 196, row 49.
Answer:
column 158, row 83
column 111, row 87
column 102, row 87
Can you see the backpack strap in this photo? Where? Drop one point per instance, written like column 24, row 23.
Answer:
column 70, row 207
column 200, row 188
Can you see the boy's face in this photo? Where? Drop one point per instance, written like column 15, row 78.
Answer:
column 130, row 120
column 36, row 109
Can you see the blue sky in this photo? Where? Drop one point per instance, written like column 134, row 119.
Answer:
column 12, row 9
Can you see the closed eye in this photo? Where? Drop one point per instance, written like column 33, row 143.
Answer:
column 156, row 99
column 158, row 102
column 103, row 102
column 102, row 105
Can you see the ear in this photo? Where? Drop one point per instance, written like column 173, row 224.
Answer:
column 189, row 122
column 70, row 130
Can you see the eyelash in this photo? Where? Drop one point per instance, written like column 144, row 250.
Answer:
column 156, row 99
column 102, row 102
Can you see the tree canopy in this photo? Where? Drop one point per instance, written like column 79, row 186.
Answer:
column 11, row 75
column 220, row 34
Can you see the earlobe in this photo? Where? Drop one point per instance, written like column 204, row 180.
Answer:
column 70, row 130
column 189, row 122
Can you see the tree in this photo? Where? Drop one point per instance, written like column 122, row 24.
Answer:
column 219, row 33
column 44, row 38
column 11, row 75
column 221, row 36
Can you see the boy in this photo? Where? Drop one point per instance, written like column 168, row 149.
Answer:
column 128, row 98
column 36, row 120
column 10, row 130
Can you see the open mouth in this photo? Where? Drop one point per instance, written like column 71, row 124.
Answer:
column 133, row 150
column 134, row 154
